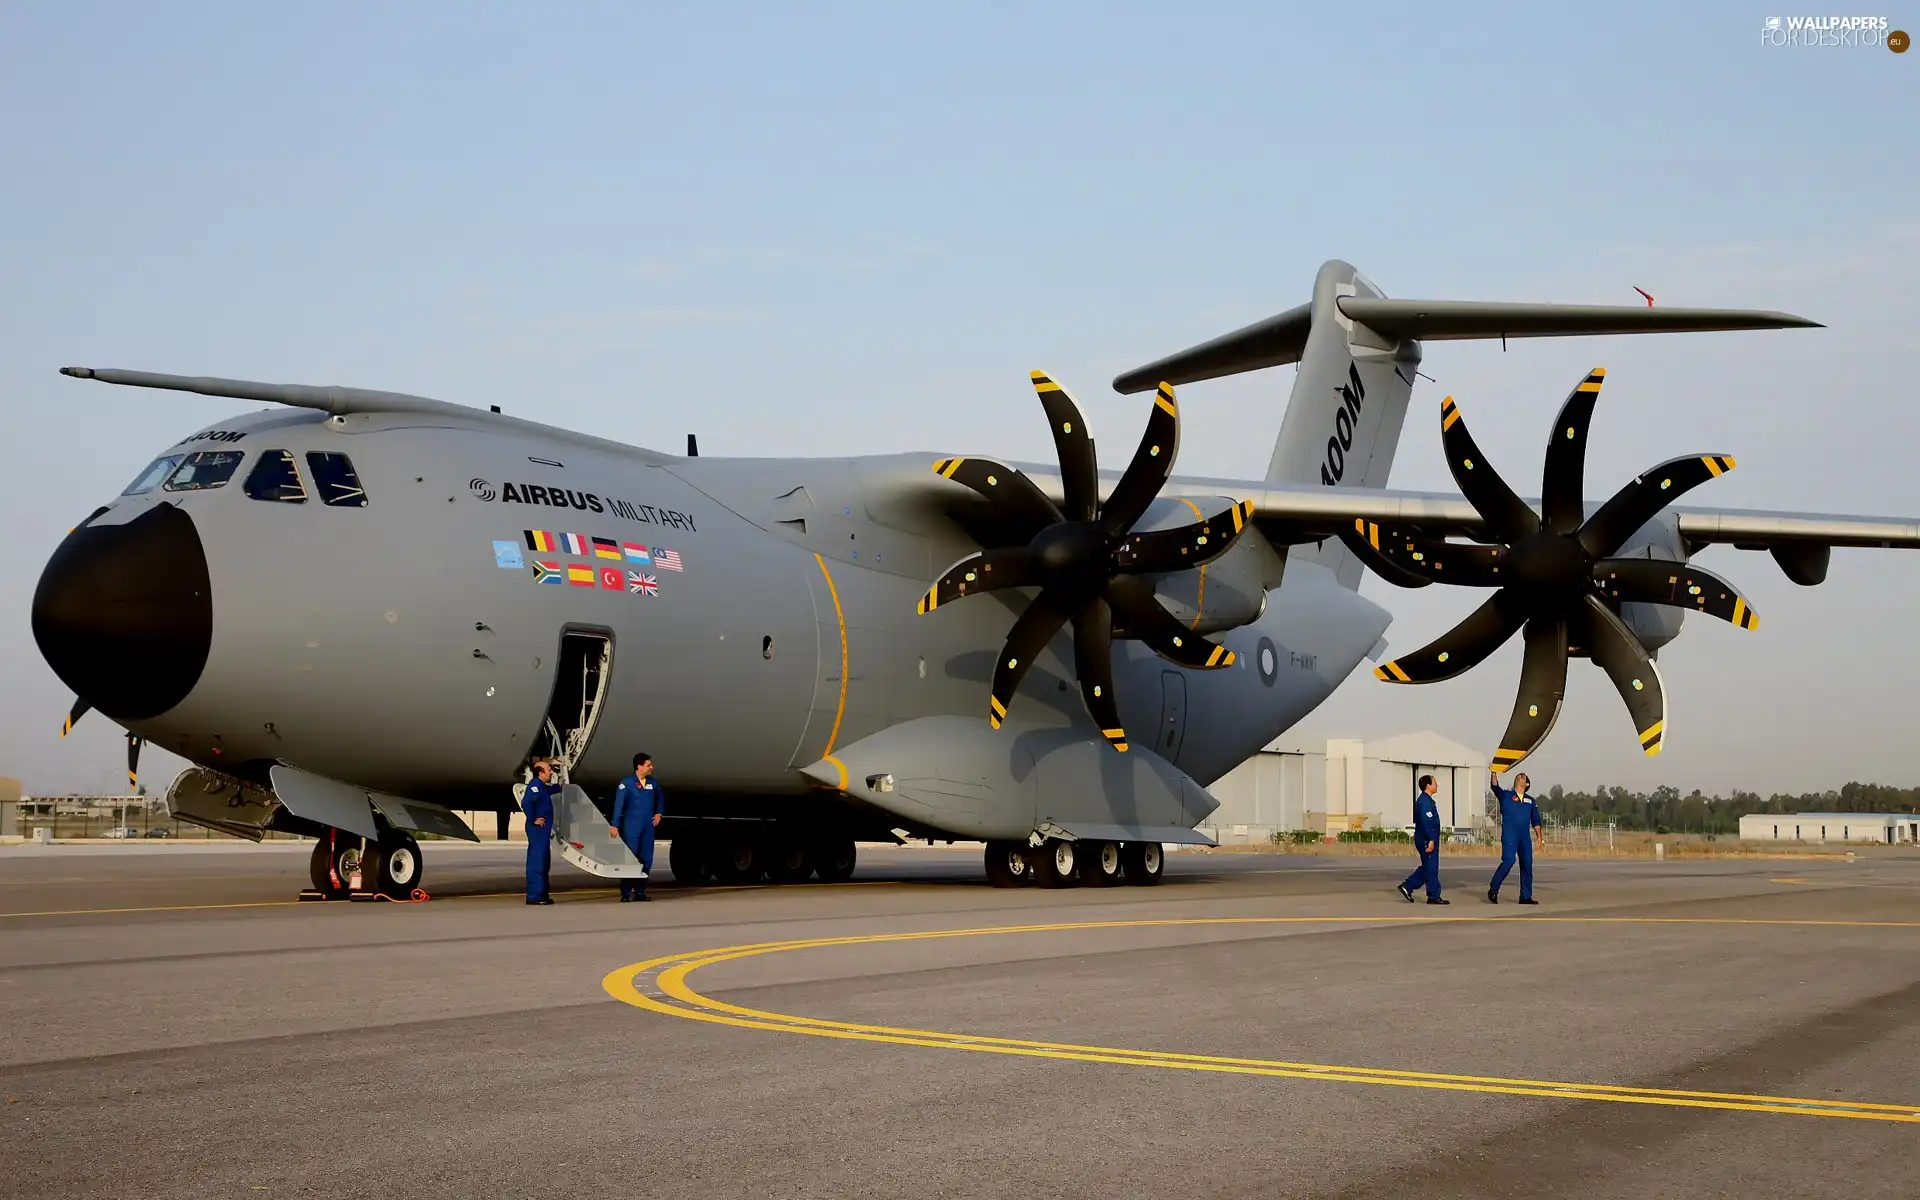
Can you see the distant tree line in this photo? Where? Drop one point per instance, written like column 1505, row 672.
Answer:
column 1666, row 810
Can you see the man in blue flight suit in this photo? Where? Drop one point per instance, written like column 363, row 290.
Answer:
column 1426, row 840
column 1519, row 817
column 537, row 802
column 638, row 805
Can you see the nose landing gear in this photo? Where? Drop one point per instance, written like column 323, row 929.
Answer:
column 346, row 866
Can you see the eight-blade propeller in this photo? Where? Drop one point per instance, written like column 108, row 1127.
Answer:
column 1084, row 558
column 1558, row 584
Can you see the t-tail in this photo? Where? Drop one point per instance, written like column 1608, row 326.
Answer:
column 1359, row 354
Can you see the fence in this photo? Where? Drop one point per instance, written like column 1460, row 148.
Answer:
column 1588, row 833
column 110, row 817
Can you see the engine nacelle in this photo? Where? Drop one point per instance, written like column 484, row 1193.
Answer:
column 1226, row 593
column 1654, row 624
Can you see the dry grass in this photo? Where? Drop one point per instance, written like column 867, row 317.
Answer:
column 1625, row 846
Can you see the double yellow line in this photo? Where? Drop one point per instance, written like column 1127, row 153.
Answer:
column 660, row 985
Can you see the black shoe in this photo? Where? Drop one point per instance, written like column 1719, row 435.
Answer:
column 544, row 900
column 643, row 897
column 1438, row 900
column 1493, row 897
column 1528, row 900
column 625, row 898
column 1406, row 893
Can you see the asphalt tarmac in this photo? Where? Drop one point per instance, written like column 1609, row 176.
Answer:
column 176, row 1025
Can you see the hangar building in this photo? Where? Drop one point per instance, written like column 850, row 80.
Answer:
column 1332, row 785
column 1885, row 828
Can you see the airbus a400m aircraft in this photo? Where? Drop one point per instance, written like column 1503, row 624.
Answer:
column 361, row 611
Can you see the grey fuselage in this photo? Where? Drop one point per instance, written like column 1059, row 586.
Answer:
column 396, row 646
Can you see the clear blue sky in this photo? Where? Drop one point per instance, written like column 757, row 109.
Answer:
column 849, row 229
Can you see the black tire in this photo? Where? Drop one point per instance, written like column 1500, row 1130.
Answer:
column 833, row 861
column 1144, row 862
column 1009, row 864
column 738, row 861
column 395, row 867
column 335, row 856
column 1057, row 865
column 1101, row 864
column 687, row 859
column 788, row 861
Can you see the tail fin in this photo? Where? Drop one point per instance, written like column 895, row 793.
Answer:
column 1348, row 404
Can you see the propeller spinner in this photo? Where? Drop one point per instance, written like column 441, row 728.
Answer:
column 1558, row 582
column 1084, row 558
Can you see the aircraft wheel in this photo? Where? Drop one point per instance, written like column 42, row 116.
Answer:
column 338, row 853
column 1144, row 862
column 1009, row 864
column 1056, row 864
column 834, row 860
column 738, row 861
column 687, row 859
column 1100, row 864
column 396, row 867
column 789, row 862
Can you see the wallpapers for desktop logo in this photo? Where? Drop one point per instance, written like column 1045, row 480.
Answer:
column 1870, row 32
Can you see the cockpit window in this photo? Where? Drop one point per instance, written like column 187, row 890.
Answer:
column 336, row 480
column 150, row 478
column 205, row 469
column 275, row 477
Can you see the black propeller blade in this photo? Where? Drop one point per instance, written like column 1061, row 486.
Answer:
column 1085, row 559
column 80, row 709
column 1558, row 582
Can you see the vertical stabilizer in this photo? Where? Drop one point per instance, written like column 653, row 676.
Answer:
column 1348, row 404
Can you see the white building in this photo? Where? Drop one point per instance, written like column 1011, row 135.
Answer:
column 1336, row 784
column 1885, row 828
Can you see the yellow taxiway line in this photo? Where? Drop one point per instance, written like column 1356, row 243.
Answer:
column 660, row 985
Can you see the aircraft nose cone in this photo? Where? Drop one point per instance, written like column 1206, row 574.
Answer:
column 124, row 613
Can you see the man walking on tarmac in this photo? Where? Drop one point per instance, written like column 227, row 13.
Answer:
column 1426, row 840
column 1519, row 818
column 638, row 804
column 537, row 802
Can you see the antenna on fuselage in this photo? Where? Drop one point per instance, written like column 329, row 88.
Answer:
column 693, row 447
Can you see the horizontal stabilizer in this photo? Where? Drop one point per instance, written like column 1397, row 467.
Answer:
column 1457, row 320
column 1282, row 339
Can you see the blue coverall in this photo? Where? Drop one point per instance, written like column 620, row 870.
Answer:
column 537, row 803
column 1519, row 816
column 635, row 803
column 1426, row 832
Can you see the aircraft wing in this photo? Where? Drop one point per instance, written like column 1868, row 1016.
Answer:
column 1290, row 516
column 1309, row 514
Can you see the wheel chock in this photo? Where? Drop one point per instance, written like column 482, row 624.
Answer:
column 417, row 896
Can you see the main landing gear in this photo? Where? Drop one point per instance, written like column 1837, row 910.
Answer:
column 1059, row 864
column 779, row 858
column 392, row 866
